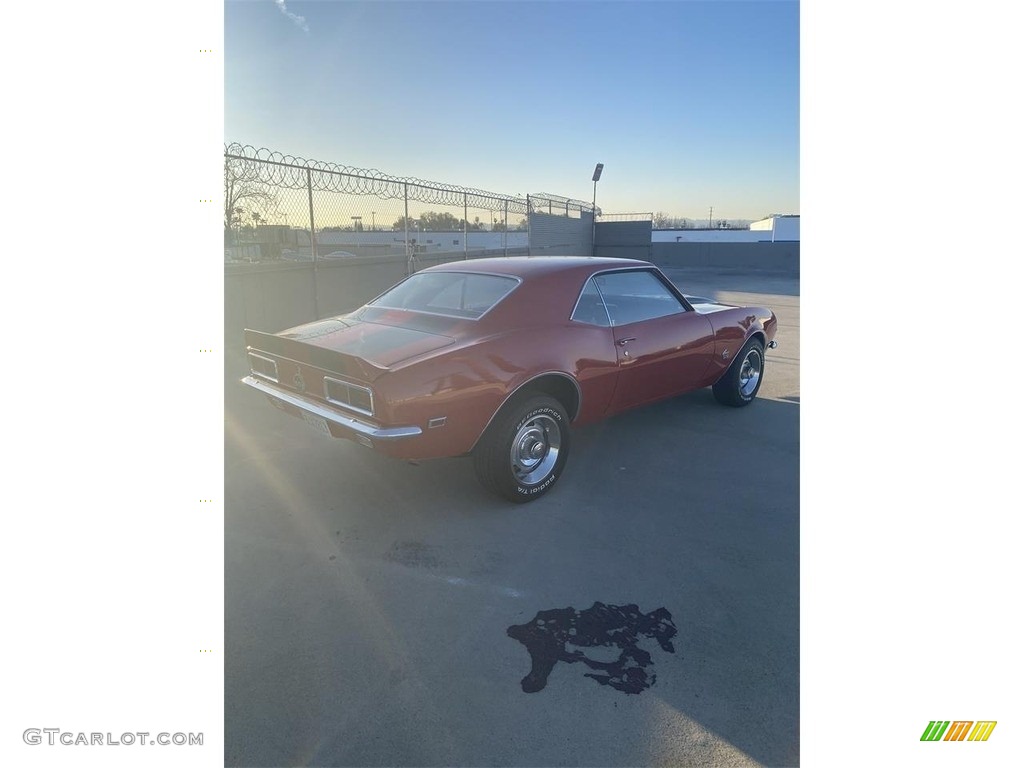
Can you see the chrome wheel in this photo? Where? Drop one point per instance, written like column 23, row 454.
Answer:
column 522, row 453
column 750, row 372
column 738, row 386
column 535, row 449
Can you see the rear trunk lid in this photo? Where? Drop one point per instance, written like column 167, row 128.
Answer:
column 353, row 348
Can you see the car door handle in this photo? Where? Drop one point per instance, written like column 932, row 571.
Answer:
column 624, row 342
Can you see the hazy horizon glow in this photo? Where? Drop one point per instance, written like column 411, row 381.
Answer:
column 688, row 104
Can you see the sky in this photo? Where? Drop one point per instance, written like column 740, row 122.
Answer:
column 689, row 105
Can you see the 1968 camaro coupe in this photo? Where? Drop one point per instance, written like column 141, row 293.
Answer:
column 497, row 357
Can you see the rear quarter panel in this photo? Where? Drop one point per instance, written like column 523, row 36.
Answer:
column 467, row 384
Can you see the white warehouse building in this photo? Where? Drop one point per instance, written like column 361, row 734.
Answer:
column 772, row 229
column 782, row 228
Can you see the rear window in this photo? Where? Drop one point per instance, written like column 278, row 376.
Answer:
column 456, row 294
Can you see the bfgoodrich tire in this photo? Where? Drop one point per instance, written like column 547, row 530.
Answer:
column 523, row 452
column 739, row 385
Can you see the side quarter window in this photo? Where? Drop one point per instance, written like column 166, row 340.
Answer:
column 632, row 297
column 590, row 308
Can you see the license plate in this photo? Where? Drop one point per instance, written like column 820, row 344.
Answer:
column 316, row 422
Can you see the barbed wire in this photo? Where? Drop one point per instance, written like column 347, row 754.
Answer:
column 625, row 216
column 540, row 200
column 251, row 164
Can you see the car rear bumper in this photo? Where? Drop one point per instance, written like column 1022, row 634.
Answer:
column 340, row 424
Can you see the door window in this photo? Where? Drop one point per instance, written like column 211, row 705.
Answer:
column 635, row 296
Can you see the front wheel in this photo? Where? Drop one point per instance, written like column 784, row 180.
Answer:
column 524, row 451
column 739, row 385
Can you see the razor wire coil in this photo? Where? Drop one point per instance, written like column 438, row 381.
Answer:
column 264, row 166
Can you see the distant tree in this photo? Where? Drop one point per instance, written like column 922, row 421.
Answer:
column 243, row 195
column 440, row 222
column 662, row 220
column 434, row 221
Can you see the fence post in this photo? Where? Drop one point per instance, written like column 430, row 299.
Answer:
column 504, row 235
column 529, row 228
column 408, row 251
column 312, row 247
column 465, row 226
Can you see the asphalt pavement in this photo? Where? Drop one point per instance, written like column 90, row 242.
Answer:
column 372, row 605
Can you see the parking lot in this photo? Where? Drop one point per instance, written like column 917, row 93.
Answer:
column 368, row 601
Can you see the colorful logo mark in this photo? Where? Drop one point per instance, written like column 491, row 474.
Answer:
column 958, row 730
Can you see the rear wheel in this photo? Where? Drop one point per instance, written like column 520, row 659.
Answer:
column 739, row 385
column 523, row 452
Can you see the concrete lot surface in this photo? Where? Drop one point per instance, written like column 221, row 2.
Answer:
column 368, row 601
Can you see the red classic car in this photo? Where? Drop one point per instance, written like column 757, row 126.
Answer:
column 497, row 357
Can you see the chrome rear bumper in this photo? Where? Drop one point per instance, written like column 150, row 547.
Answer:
column 330, row 415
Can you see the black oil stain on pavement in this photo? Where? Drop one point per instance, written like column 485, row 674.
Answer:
column 561, row 633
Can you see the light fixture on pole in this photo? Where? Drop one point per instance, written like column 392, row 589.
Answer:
column 597, row 177
column 593, row 233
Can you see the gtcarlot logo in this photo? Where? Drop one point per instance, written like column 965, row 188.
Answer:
column 55, row 736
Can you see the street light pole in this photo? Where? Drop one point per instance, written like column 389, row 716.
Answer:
column 593, row 213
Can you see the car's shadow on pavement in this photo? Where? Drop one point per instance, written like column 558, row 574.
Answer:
column 684, row 505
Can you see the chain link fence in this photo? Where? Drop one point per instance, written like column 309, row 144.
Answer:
column 602, row 217
column 278, row 207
